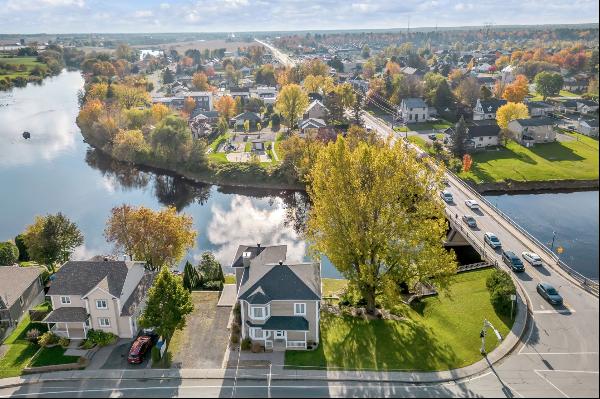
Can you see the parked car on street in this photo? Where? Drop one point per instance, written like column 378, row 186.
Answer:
column 513, row 261
column 447, row 196
column 549, row 293
column 532, row 258
column 491, row 240
column 139, row 348
column 470, row 221
column 432, row 137
column 472, row 204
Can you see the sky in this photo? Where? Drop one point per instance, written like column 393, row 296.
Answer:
column 86, row 16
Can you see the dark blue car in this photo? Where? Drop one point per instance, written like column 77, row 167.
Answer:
column 549, row 293
column 513, row 261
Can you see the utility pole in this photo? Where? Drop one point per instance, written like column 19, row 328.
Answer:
column 483, row 333
column 553, row 238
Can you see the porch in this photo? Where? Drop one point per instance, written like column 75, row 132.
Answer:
column 68, row 322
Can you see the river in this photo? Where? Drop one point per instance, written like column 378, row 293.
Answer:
column 56, row 171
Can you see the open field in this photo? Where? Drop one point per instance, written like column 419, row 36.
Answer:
column 28, row 62
column 439, row 333
column 577, row 160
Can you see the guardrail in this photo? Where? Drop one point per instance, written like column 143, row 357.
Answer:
column 581, row 279
column 473, row 266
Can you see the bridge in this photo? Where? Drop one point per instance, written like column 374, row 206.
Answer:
column 558, row 352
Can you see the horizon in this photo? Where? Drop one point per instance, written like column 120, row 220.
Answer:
column 240, row 16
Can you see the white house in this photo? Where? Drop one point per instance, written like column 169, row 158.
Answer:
column 413, row 110
column 482, row 136
column 486, row 109
column 533, row 131
column 586, row 107
column 316, row 110
column 589, row 127
column 508, row 74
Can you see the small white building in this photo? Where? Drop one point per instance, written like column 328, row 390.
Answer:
column 316, row 110
column 486, row 109
column 588, row 127
column 586, row 107
column 482, row 136
column 414, row 110
column 533, row 131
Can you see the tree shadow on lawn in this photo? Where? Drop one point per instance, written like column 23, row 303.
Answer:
column 385, row 345
column 556, row 152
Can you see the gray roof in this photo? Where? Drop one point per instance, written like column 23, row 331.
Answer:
column 312, row 122
column 260, row 254
column 296, row 323
column 14, row 281
column 79, row 277
column 536, row 122
column 414, row 103
column 483, row 130
column 281, row 282
column 492, row 105
column 138, row 294
column 247, row 116
column 67, row 314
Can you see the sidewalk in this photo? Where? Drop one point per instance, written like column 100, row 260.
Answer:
column 279, row 373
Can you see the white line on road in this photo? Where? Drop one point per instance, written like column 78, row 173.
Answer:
column 559, row 353
column 550, row 382
column 568, row 371
column 554, row 311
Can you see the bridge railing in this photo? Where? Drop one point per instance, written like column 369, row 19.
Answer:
column 593, row 285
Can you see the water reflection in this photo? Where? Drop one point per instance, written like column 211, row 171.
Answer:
column 29, row 109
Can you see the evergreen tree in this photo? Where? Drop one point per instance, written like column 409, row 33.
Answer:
column 191, row 279
column 459, row 138
column 168, row 76
column 356, row 110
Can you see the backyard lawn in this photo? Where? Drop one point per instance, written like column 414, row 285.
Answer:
column 52, row 356
column 333, row 286
column 577, row 159
column 439, row 125
column 440, row 333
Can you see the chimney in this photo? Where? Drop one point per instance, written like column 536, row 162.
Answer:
column 106, row 258
column 246, row 256
column 258, row 245
column 280, row 263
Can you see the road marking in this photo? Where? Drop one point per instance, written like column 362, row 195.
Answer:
column 568, row 371
column 559, row 353
column 551, row 311
column 539, row 373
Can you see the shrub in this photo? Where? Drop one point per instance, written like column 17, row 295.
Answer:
column 9, row 253
column 234, row 339
column 48, row 338
column 87, row 344
column 501, row 287
column 33, row 335
column 64, row 342
column 101, row 338
column 213, row 285
column 235, row 328
column 155, row 353
column 246, row 344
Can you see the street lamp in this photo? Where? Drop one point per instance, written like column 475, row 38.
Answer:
column 483, row 333
column 553, row 238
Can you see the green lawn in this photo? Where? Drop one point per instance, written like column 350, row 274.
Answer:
column 440, row 333
column 333, row 286
column 576, row 159
column 248, row 147
column 29, row 62
column 52, row 356
column 20, row 351
column 440, row 125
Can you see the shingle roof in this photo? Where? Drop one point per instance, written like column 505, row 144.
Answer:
column 14, row 281
column 535, row 122
column 79, row 277
column 483, row 130
column 491, row 106
column 283, row 282
column 260, row 254
column 414, row 103
column 138, row 294
column 67, row 314
column 295, row 323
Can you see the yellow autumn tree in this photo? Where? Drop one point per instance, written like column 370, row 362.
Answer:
column 291, row 103
column 509, row 112
column 129, row 145
column 375, row 213
column 200, row 81
column 226, row 107
column 159, row 112
column 160, row 238
column 517, row 90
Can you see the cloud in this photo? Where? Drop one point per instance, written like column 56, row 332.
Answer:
column 20, row 5
column 143, row 14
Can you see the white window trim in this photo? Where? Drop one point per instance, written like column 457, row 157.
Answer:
column 102, row 307
column 254, row 330
column 65, row 300
column 266, row 312
column 104, row 325
column 303, row 313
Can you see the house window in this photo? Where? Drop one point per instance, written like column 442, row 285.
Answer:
column 21, row 300
column 104, row 322
column 256, row 333
column 280, row 334
column 259, row 312
column 101, row 304
column 299, row 309
column 65, row 300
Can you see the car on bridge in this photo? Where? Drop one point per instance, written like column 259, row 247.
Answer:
column 472, row 204
column 491, row 240
column 513, row 261
column 549, row 293
column 532, row 258
column 447, row 196
column 469, row 221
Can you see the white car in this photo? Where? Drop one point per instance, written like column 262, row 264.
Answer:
column 533, row 259
column 472, row 204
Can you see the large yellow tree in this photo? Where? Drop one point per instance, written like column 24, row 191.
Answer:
column 291, row 103
column 160, row 238
column 226, row 107
column 509, row 112
column 376, row 215
column 200, row 81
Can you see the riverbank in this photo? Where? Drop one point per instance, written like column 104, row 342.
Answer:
column 532, row 187
column 220, row 177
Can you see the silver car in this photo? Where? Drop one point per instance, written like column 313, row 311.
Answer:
column 532, row 258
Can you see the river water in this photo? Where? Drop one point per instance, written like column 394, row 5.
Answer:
column 56, row 171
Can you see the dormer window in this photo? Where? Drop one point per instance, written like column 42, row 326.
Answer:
column 65, row 300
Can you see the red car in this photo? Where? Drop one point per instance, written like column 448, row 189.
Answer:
column 138, row 349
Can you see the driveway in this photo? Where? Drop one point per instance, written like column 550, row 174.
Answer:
column 203, row 341
column 117, row 359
